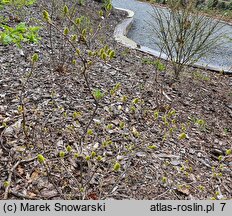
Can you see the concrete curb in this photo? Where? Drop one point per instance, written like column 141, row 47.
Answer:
column 122, row 29
column 120, row 35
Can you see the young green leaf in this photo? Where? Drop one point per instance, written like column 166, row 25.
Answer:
column 66, row 10
column 117, row 166
column 98, row 94
column 35, row 57
column 61, row 154
column 40, row 158
column 182, row 136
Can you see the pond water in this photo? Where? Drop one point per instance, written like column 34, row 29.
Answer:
column 141, row 33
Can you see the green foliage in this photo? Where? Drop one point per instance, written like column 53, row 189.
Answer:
column 201, row 123
column 61, row 154
column 35, row 58
column 90, row 132
column 230, row 6
column 182, row 136
column 200, row 76
column 222, row 6
column 161, row 1
column 16, row 8
column 79, row 33
column 135, row 101
column 69, row 148
column 152, row 147
column 6, row 184
column 81, row 2
column 19, row 34
column 228, row 151
column 220, row 158
column 99, row 158
column 93, row 154
column 18, row 3
column 76, row 155
column 115, row 89
column 66, row 10
column 46, row 16
column 117, row 166
column 107, row 4
column 98, row 94
column 157, row 63
column 212, row 4
column 66, row 31
column 41, row 158
column 147, row 61
column 164, row 180
column 156, row 114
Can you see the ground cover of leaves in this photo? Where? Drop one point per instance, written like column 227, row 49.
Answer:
column 171, row 140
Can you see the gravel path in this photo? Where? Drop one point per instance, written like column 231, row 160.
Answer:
column 219, row 58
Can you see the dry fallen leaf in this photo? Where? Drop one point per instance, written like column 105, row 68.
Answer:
column 34, row 176
column 48, row 193
column 92, row 196
column 13, row 129
column 20, row 170
column 31, row 194
column 185, row 191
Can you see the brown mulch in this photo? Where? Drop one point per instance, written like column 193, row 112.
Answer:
column 155, row 162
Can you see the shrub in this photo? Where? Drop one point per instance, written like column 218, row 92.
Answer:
column 161, row 1
column 200, row 3
column 230, row 6
column 221, row 5
column 184, row 34
column 212, row 4
column 20, row 33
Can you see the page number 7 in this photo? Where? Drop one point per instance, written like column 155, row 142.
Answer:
column 223, row 205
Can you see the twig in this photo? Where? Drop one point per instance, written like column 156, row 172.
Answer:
column 120, row 177
column 179, row 198
column 111, row 66
column 160, row 195
column 20, row 195
column 1, row 142
column 11, row 173
column 52, row 181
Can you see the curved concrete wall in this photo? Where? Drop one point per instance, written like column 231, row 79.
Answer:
column 122, row 29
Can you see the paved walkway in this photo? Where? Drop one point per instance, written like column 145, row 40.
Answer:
column 140, row 32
